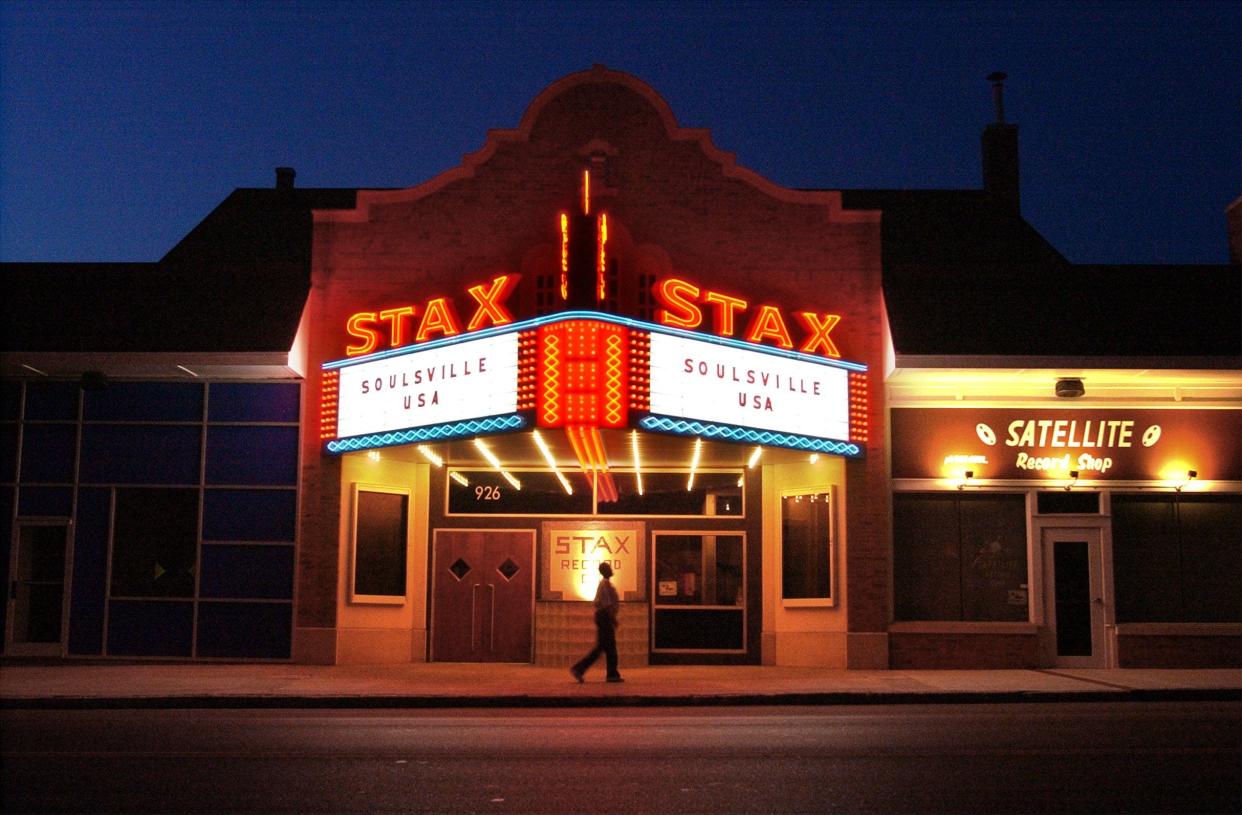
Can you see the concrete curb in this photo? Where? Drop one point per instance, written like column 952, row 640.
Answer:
column 374, row 701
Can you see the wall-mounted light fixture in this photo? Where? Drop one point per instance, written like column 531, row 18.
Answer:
column 1073, row 480
column 1191, row 475
column 1069, row 388
column 966, row 476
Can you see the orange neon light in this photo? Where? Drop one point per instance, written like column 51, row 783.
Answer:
column 818, row 326
column 678, row 298
column 396, row 326
column 681, row 306
column 859, row 403
column 769, row 324
column 583, row 374
column 329, row 401
column 640, row 370
column 601, row 272
column 564, row 256
column 437, row 317
column 528, row 370
column 586, row 192
column 490, row 301
column 369, row 336
column 726, row 307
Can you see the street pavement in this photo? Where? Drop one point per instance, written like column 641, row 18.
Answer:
column 110, row 684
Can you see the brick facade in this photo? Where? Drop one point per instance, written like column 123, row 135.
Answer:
column 676, row 205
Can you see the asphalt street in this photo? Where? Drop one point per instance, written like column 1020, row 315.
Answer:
column 1061, row 757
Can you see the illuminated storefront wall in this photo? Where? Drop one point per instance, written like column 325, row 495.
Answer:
column 1159, row 490
column 1102, row 446
column 775, row 291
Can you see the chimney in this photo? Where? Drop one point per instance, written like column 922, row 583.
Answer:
column 1000, row 150
column 284, row 178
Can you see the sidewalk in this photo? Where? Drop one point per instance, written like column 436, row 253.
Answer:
column 441, row 685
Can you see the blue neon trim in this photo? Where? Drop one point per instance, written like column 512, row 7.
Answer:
column 711, row 430
column 434, row 432
column 628, row 322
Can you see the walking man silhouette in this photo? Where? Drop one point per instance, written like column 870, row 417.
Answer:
column 607, row 604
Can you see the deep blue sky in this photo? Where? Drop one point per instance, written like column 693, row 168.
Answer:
column 124, row 123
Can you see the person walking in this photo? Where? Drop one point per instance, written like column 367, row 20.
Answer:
column 607, row 604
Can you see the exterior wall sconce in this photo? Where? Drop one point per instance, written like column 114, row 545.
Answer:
column 1073, row 474
column 1069, row 388
column 966, row 476
column 1191, row 475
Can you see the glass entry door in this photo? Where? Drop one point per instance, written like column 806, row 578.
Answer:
column 36, row 611
column 1074, row 596
column 699, row 593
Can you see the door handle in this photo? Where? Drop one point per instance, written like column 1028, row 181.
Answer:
column 474, row 611
column 491, row 635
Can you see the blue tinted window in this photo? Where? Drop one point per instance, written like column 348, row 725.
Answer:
column 256, row 630
column 242, row 571
column 145, row 401
column 149, row 628
column 254, row 515
column 35, row 501
column 253, row 402
column 8, row 453
column 52, row 400
column 10, row 399
column 252, row 455
column 7, row 496
column 47, row 453
column 90, row 570
column 126, row 454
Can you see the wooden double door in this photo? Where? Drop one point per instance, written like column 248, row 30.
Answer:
column 482, row 595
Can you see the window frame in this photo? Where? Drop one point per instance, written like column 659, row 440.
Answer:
column 654, row 605
column 833, row 534
column 358, row 598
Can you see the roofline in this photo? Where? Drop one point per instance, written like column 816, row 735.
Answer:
column 985, row 361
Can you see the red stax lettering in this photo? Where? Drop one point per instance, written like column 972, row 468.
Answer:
column 682, row 304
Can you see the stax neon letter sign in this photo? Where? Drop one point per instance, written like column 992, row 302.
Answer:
column 682, row 303
column 438, row 317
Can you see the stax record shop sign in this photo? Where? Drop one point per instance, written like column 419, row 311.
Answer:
column 1103, row 443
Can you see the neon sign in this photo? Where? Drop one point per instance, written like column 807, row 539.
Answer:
column 438, row 318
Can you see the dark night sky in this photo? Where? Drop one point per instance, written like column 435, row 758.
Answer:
column 124, row 123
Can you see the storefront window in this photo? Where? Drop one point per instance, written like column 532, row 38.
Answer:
column 381, row 519
column 487, row 492
column 806, row 547
column 675, row 494
column 1177, row 558
column 699, row 592
column 959, row 557
column 154, row 542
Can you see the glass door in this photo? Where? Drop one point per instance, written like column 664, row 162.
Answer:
column 699, row 592
column 1074, row 596
column 37, row 590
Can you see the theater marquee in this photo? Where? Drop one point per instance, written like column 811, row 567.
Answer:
column 583, row 369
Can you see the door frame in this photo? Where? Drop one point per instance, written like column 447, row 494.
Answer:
column 434, row 574
column 38, row 649
column 1096, row 533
